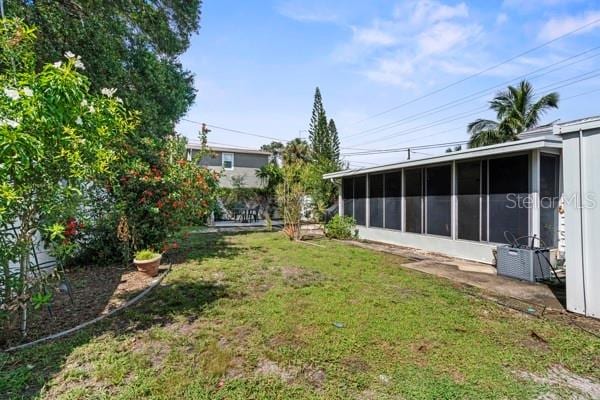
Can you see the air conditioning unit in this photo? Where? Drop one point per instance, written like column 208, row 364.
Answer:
column 524, row 263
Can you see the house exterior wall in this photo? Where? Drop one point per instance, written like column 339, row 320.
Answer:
column 475, row 251
column 247, row 175
column 581, row 163
column 245, row 166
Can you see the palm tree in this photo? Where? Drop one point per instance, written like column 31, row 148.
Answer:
column 516, row 112
column 297, row 150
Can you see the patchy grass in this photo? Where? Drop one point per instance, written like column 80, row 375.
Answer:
column 256, row 316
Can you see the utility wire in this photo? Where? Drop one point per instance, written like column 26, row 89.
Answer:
column 429, row 94
column 236, row 131
column 397, row 150
column 550, row 87
column 478, row 94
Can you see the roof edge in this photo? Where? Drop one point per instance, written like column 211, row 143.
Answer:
column 549, row 141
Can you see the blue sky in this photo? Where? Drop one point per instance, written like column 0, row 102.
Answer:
column 257, row 63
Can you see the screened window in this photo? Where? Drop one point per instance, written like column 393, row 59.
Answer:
column 413, row 190
column 439, row 200
column 360, row 194
column 484, row 200
column 469, row 199
column 549, row 198
column 508, row 197
column 348, row 196
column 376, row 201
column 393, row 200
column 228, row 161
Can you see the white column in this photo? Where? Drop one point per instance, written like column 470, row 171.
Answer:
column 534, row 209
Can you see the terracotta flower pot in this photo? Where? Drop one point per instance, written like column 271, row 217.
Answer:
column 149, row 267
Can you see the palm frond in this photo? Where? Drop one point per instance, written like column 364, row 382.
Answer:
column 480, row 125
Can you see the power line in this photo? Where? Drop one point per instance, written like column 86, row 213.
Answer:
column 438, row 145
column 396, row 150
column 550, row 87
column 482, row 71
column 476, row 95
column 236, row 131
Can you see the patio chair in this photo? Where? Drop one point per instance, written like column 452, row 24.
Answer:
column 254, row 213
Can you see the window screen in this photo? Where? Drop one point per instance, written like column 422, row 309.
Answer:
column 468, row 196
column 484, row 200
column 348, row 196
column 549, row 197
column 413, row 190
column 376, row 200
column 508, row 199
column 439, row 195
column 360, row 194
column 393, row 200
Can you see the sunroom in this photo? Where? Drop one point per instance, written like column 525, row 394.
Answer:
column 463, row 204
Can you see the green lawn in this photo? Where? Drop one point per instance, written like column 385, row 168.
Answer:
column 255, row 316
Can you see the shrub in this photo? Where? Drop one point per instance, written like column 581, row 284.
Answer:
column 340, row 227
column 143, row 255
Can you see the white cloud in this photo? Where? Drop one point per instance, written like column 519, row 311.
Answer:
column 559, row 26
column 535, row 5
column 501, row 19
column 405, row 47
column 392, row 71
column 300, row 11
column 373, row 36
column 445, row 36
column 433, row 11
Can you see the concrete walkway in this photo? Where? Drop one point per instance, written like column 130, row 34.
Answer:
column 532, row 297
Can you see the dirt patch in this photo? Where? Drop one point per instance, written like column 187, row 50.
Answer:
column 536, row 342
column 299, row 277
column 563, row 379
column 271, row 368
column 313, row 375
column 95, row 291
column 355, row 365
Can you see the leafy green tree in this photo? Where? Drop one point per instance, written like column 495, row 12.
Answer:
column 58, row 138
column 275, row 148
column 271, row 176
column 318, row 130
column 335, row 144
column 128, row 45
column 516, row 111
column 296, row 151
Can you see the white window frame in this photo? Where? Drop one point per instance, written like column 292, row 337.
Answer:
column 223, row 156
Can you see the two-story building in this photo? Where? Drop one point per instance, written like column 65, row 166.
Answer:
column 236, row 166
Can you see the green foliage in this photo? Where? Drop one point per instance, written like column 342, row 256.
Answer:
column 516, row 111
column 144, row 255
column 323, row 135
column 296, row 151
column 290, row 194
column 128, row 45
column 340, row 227
column 158, row 192
column 57, row 139
column 275, row 148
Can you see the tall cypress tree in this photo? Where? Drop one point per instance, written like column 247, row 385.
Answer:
column 334, row 143
column 318, row 131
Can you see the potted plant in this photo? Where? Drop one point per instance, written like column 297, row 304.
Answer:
column 147, row 261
